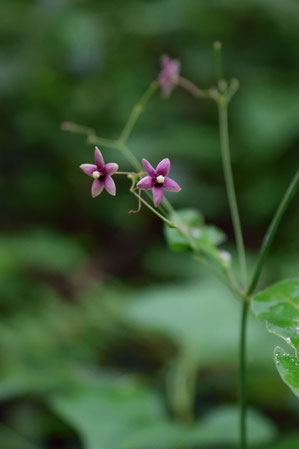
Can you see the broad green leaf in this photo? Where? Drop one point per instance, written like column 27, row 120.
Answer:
column 221, row 426
column 107, row 411
column 206, row 238
column 201, row 317
column 193, row 220
column 122, row 414
column 218, row 427
column 278, row 305
column 288, row 368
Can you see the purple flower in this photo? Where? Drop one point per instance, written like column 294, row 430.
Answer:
column 169, row 73
column 101, row 173
column 158, row 180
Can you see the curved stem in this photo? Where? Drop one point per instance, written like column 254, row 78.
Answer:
column 192, row 88
column 136, row 111
column 101, row 141
column 272, row 231
column 242, row 374
column 129, row 156
column 230, row 188
column 170, row 223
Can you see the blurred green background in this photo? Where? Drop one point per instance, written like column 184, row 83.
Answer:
column 107, row 339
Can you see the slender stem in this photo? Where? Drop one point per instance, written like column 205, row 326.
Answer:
column 218, row 60
column 128, row 173
column 222, row 98
column 136, row 111
column 272, row 231
column 78, row 129
column 170, row 223
column 192, row 88
column 104, row 142
column 129, row 156
column 242, row 374
column 230, row 188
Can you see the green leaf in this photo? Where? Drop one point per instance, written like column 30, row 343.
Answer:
column 105, row 412
column 221, row 426
column 205, row 237
column 123, row 414
column 191, row 218
column 198, row 317
column 278, row 305
column 288, row 368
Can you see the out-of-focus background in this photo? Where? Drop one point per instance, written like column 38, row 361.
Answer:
column 108, row 339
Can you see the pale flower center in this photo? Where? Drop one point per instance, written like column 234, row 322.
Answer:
column 160, row 179
column 96, row 174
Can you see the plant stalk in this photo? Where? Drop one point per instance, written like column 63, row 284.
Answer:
column 243, row 376
column 230, row 188
column 272, row 231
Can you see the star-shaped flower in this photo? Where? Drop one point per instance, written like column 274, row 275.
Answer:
column 158, row 180
column 169, row 73
column 101, row 173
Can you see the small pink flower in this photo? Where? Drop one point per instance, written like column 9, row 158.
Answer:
column 169, row 73
column 158, row 180
column 101, row 173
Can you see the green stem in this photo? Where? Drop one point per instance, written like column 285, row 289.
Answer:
column 242, row 373
column 104, row 142
column 128, row 173
column 129, row 156
column 218, row 60
column 136, row 111
column 170, row 223
column 192, row 88
column 230, row 188
column 77, row 129
column 222, row 99
column 272, row 231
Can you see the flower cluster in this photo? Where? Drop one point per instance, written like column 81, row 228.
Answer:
column 156, row 180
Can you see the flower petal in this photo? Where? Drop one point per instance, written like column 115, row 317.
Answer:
column 110, row 168
column 148, row 168
column 163, row 167
column 110, row 185
column 171, row 185
column 157, row 195
column 97, row 188
column 98, row 158
column 145, row 183
column 88, row 169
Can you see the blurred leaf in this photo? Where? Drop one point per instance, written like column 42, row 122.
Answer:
column 105, row 412
column 288, row 368
column 192, row 219
column 202, row 317
column 41, row 249
column 278, row 305
column 204, row 237
column 219, row 427
column 123, row 414
column 222, row 427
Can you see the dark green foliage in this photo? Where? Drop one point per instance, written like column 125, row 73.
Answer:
column 74, row 272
